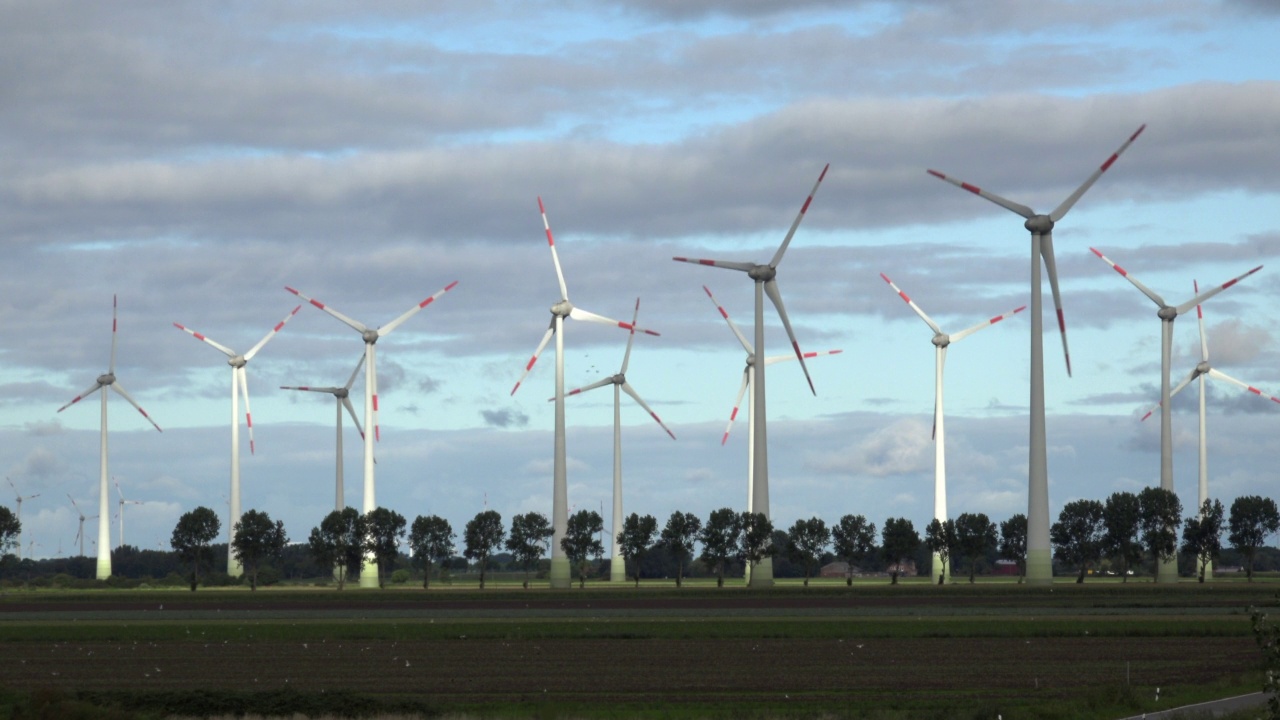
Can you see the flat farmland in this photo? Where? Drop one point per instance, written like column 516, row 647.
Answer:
column 869, row 651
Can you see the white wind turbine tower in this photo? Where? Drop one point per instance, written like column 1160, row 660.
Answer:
column 341, row 396
column 20, row 497
column 765, row 280
column 1199, row 372
column 617, row 565
column 560, row 493
column 239, row 386
column 80, row 530
column 748, row 373
column 120, row 512
column 941, row 341
column 368, row 570
column 1168, row 313
column 104, row 381
column 1039, row 552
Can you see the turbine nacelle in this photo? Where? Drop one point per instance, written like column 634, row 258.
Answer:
column 369, row 336
column 237, row 361
column 562, row 309
column 106, row 379
column 941, row 340
column 1039, row 224
column 762, row 273
column 1203, row 367
column 1167, row 314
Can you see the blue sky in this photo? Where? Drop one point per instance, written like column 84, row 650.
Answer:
column 196, row 160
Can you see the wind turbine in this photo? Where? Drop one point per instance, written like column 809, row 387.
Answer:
column 941, row 341
column 107, row 380
column 1039, row 552
column 748, row 373
column 560, row 493
column 80, row 530
column 239, row 386
column 617, row 565
column 765, row 280
column 20, row 497
column 368, row 570
column 342, row 399
column 120, row 512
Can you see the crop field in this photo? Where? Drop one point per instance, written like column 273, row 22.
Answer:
column 874, row 651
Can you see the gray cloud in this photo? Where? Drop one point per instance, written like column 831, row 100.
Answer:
column 505, row 418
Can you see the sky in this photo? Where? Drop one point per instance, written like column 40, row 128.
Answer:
column 194, row 159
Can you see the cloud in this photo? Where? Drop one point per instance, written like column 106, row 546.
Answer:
column 901, row 448
column 504, row 418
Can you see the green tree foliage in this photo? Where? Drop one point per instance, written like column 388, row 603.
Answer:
column 975, row 537
column 635, row 538
column 854, row 538
column 1267, row 633
column 1078, row 534
column 1202, row 535
column 719, row 538
column 678, row 537
column 581, row 541
column 899, row 542
column 755, row 542
column 1013, row 542
column 385, row 531
column 256, row 540
column 940, row 538
column 338, row 543
column 481, row 537
column 10, row 530
column 1253, row 520
column 529, row 540
column 806, row 541
column 1161, row 513
column 431, row 541
column 1122, row 521
column 191, row 538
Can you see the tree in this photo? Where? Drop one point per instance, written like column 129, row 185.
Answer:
column 678, row 536
column 940, row 538
column 256, row 540
column 1161, row 517
column 191, row 538
column 482, row 536
column 1121, row 520
column 755, row 542
column 338, row 543
column 385, row 531
column 581, row 541
column 1202, row 535
column 898, row 541
column 10, row 530
column 1253, row 520
column 975, row 537
column 1077, row 536
column 529, row 539
column 431, row 540
column 854, row 538
column 719, row 538
column 1013, row 542
column 635, row 538
column 805, row 542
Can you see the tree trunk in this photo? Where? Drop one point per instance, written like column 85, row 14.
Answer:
column 482, row 576
column 848, row 581
column 941, row 577
column 1080, row 577
column 253, row 580
column 893, row 575
column 679, row 572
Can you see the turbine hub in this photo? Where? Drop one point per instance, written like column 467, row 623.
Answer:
column 1167, row 313
column 618, row 379
column 1039, row 224
column 340, row 393
column 942, row 340
column 237, row 361
column 762, row 273
column 369, row 336
column 106, row 378
column 751, row 360
column 562, row 308
column 1202, row 368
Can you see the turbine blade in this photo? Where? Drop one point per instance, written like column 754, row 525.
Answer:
column 111, row 369
column 96, row 387
column 351, row 410
column 120, row 389
column 118, row 492
column 1185, row 382
column 1184, row 307
column 1062, row 209
column 546, row 337
column 808, row 355
column 626, row 357
column 1159, row 301
column 225, row 350
column 771, row 289
column 928, row 321
column 626, row 388
column 386, row 329
column 1223, row 376
column 329, row 390
column 352, row 380
column 1204, row 343
column 1018, row 208
column 969, row 331
column 373, row 378
column 1051, row 267
column 555, row 257
column 737, row 403
column 358, row 327
column 254, row 350
column 580, row 314
column 743, row 266
column 587, row 388
column 777, row 256
column 732, row 325
column 248, row 415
